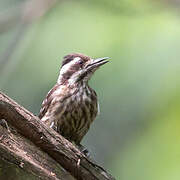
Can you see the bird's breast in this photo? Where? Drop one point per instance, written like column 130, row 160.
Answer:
column 81, row 109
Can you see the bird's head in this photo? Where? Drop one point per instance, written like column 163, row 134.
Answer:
column 79, row 68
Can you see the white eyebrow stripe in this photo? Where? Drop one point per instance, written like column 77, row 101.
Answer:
column 66, row 66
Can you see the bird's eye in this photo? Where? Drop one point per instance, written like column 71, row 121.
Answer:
column 80, row 62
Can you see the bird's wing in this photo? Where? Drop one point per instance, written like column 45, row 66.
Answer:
column 47, row 101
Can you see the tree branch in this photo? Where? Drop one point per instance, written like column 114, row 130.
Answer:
column 49, row 141
column 19, row 151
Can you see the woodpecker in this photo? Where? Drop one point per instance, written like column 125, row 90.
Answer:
column 71, row 105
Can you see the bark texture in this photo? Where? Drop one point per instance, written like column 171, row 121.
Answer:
column 27, row 143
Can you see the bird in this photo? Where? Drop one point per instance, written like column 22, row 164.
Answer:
column 71, row 105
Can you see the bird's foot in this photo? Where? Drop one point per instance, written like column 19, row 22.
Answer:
column 3, row 122
column 84, row 150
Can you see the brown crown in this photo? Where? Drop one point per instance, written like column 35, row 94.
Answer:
column 70, row 57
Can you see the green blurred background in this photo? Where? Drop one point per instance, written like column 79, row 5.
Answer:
column 137, row 134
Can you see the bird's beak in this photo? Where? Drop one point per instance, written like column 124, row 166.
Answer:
column 95, row 63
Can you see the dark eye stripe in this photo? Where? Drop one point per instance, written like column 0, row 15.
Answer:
column 67, row 59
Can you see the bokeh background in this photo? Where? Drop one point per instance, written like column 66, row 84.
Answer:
column 137, row 134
